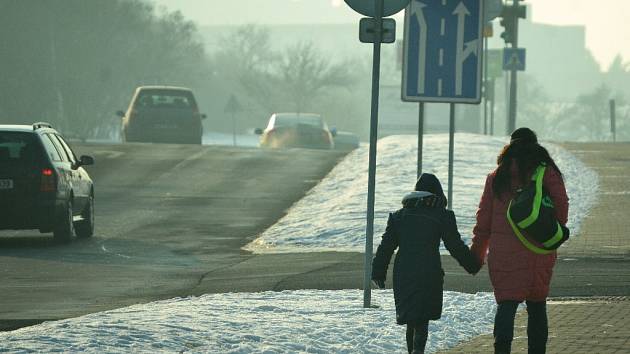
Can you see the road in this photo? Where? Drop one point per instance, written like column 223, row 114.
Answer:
column 167, row 216
column 171, row 221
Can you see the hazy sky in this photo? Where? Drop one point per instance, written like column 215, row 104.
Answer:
column 606, row 21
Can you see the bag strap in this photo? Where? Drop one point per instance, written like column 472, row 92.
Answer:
column 538, row 179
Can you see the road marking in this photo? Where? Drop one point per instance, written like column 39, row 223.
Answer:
column 443, row 27
column 442, row 57
column 461, row 11
column 194, row 156
column 114, row 253
column 110, row 154
column 422, row 43
column 439, row 87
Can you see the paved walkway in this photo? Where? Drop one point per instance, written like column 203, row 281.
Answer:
column 593, row 325
column 576, row 326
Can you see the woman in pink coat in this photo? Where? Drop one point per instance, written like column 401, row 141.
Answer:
column 517, row 274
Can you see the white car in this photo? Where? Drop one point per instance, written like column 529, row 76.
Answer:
column 290, row 130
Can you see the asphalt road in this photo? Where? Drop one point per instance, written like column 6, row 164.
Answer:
column 166, row 217
column 171, row 221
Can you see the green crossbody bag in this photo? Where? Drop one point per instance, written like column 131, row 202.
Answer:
column 531, row 213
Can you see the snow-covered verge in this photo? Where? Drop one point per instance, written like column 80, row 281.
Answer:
column 332, row 216
column 311, row 321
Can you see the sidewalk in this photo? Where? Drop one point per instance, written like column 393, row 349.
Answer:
column 576, row 326
column 593, row 325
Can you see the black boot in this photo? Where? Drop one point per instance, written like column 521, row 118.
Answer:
column 409, row 338
column 502, row 347
column 421, row 332
column 537, row 327
column 504, row 326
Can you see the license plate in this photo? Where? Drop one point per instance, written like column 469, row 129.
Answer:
column 6, row 184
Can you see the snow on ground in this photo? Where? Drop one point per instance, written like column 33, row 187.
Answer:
column 330, row 217
column 338, row 223
column 312, row 321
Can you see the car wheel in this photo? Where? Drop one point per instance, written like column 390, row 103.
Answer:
column 85, row 227
column 64, row 227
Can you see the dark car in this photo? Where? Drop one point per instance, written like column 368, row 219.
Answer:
column 162, row 114
column 301, row 130
column 42, row 183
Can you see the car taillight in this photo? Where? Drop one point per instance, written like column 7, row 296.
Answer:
column 49, row 182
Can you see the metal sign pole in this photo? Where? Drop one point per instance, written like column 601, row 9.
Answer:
column 420, row 136
column 507, row 104
column 485, row 86
column 513, row 77
column 492, row 83
column 451, row 145
column 369, row 230
column 234, row 128
column 613, row 123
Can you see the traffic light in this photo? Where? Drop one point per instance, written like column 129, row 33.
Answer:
column 509, row 21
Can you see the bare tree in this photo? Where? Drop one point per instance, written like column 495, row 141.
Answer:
column 73, row 62
column 303, row 74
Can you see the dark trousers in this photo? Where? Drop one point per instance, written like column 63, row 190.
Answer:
column 417, row 334
column 537, row 327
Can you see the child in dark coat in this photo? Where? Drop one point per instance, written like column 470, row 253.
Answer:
column 416, row 230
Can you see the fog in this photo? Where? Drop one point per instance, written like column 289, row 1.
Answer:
column 75, row 62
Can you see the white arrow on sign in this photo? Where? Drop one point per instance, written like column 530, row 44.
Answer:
column 464, row 50
column 416, row 10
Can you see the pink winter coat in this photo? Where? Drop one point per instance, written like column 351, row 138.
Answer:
column 516, row 273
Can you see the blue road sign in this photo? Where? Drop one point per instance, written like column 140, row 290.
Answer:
column 442, row 51
column 514, row 59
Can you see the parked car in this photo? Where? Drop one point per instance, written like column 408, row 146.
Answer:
column 303, row 130
column 163, row 114
column 43, row 184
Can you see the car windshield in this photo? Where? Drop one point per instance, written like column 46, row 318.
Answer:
column 17, row 147
column 292, row 120
column 164, row 99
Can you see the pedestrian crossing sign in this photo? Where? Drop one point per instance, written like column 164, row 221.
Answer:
column 514, row 59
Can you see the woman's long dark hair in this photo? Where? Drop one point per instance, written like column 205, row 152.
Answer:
column 527, row 153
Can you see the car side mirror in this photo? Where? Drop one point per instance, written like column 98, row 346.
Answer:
column 258, row 131
column 85, row 160
column 333, row 131
column 121, row 114
column 204, row 116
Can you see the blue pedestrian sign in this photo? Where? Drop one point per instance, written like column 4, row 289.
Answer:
column 514, row 59
column 442, row 52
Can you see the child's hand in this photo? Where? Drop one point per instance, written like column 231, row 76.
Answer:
column 380, row 283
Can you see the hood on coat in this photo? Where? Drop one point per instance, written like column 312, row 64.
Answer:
column 415, row 197
column 423, row 198
column 431, row 184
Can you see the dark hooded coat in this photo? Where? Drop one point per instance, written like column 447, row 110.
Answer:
column 416, row 230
